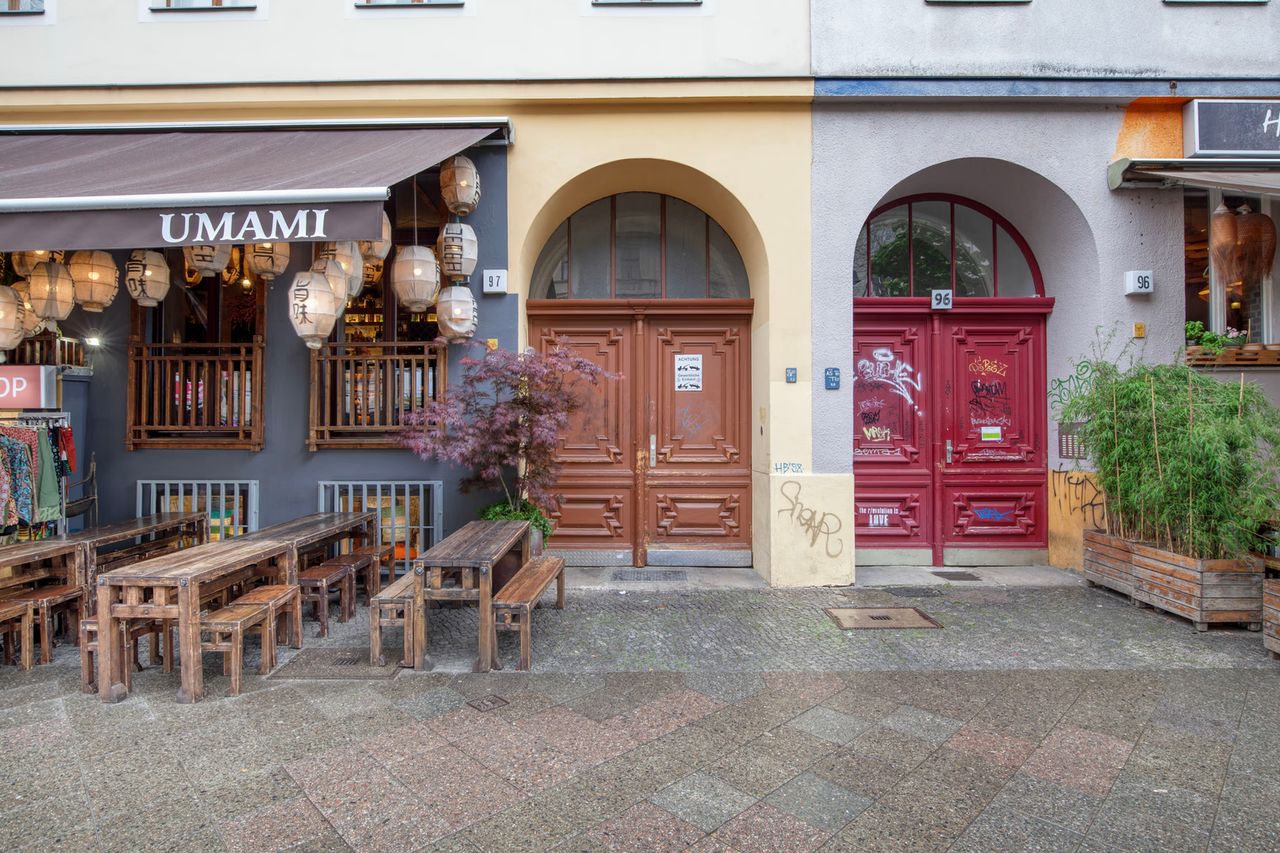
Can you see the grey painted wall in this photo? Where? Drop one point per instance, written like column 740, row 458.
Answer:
column 1043, row 166
column 286, row 471
column 1045, row 38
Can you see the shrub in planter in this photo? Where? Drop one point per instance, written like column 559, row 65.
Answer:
column 1189, row 466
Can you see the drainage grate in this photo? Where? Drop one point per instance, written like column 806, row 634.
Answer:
column 334, row 664
column 649, row 575
column 487, row 703
column 854, row 618
column 958, row 576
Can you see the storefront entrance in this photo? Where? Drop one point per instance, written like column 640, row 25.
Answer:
column 950, row 417
column 657, row 470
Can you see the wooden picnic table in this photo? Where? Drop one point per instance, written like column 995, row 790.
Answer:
column 318, row 529
column 172, row 586
column 160, row 529
column 23, row 563
column 477, row 545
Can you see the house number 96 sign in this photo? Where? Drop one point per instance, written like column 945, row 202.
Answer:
column 941, row 300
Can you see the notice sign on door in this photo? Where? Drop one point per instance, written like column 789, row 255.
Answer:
column 689, row 372
column 991, row 433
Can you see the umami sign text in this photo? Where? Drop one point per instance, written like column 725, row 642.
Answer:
column 248, row 227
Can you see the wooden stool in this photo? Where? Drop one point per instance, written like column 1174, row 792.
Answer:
column 381, row 556
column 372, row 570
column 16, row 619
column 513, row 605
column 133, row 630
column 46, row 603
column 318, row 582
column 282, row 600
column 391, row 607
column 226, row 630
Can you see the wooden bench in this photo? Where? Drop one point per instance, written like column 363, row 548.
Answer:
column 282, row 600
column 513, row 605
column 47, row 602
column 16, row 626
column 137, row 629
column 317, row 582
column 391, row 607
column 226, row 629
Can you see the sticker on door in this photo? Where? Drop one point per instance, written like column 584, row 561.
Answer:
column 689, row 372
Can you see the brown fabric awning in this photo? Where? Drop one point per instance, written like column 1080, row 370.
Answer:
column 146, row 189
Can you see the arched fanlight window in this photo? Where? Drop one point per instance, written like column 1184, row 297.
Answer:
column 639, row 246
column 955, row 244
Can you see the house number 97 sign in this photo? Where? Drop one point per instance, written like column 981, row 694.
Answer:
column 941, row 300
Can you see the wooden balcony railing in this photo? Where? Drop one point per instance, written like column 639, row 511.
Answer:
column 49, row 349
column 195, row 395
column 360, row 393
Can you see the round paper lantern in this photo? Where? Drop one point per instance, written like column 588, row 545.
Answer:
column 53, row 293
column 337, row 278
column 415, row 277
column 456, row 313
column 1222, row 244
column 25, row 262
column 96, row 277
column 206, row 258
column 12, row 313
column 379, row 248
column 32, row 325
column 268, row 260
column 1257, row 239
column 313, row 307
column 457, row 249
column 146, row 277
column 460, row 185
column 372, row 270
column 347, row 254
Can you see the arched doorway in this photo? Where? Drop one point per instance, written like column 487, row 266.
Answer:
column 659, row 472
column 950, row 423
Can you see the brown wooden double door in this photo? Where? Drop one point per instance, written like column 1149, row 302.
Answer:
column 661, row 459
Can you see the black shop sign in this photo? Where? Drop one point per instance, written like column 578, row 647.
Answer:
column 1232, row 128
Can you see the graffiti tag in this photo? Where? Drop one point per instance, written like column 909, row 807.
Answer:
column 817, row 526
column 988, row 367
column 1077, row 493
column 883, row 368
column 990, row 513
column 877, row 433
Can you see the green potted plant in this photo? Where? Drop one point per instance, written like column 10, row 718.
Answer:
column 1190, row 468
column 503, row 423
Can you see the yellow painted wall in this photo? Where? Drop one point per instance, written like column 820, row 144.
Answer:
column 1075, row 505
column 741, row 151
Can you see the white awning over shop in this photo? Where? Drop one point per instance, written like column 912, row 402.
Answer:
column 169, row 186
column 1255, row 176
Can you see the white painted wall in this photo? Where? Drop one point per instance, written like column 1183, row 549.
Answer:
column 1045, row 38
column 1044, row 168
column 95, row 42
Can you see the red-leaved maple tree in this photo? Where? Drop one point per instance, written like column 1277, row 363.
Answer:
column 503, row 420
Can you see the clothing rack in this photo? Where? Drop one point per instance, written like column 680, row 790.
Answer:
column 31, row 420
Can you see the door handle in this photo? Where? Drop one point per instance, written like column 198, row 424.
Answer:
column 653, row 450
column 948, row 451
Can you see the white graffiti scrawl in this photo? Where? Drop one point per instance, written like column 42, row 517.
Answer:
column 888, row 370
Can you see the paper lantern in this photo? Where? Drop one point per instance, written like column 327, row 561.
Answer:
column 347, row 254
column 146, row 277
column 415, row 277
column 313, row 307
column 96, row 277
column 1222, row 244
column 456, row 313
column 32, row 325
column 372, row 271
column 460, row 185
column 457, row 249
column 12, row 313
column 378, row 249
column 53, row 293
column 1256, row 237
column 337, row 278
column 206, row 258
column 25, row 262
column 268, row 260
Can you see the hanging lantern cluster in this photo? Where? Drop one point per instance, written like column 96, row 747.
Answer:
column 25, row 262
column 314, row 307
column 336, row 277
column 12, row 316
column 96, row 277
column 1242, row 246
column 146, row 277
column 347, row 254
column 52, row 292
column 268, row 260
column 374, row 252
column 460, row 185
column 415, row 275
column 32, row 325
column 207, row 259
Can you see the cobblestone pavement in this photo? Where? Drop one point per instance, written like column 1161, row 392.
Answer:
column 1036, row 719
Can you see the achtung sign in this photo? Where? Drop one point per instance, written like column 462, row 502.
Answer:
column 28, row 387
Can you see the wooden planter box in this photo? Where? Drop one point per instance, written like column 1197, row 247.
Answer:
column 1271, row 616
column 1204, row 591
column 1108, row 561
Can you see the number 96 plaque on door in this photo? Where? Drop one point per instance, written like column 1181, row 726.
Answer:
column 941, row 300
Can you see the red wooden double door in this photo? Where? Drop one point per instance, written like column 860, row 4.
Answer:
column 950, row 426
column 660, row 461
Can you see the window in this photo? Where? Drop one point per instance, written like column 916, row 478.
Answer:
column 22, row 7
column 640, row 246
column 410, row 513
column 954, row 244
column 232, row 505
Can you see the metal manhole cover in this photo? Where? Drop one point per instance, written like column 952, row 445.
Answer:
column 334, row 664
column 856, row 618
column 958, row 576
column 487, row 703
column 913, row 591
column 648, row 575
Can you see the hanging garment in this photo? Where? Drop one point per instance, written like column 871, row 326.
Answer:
column 5, row 500
column 48, row 486
column 21, row 484
column 28, row 437
column 67, row 445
